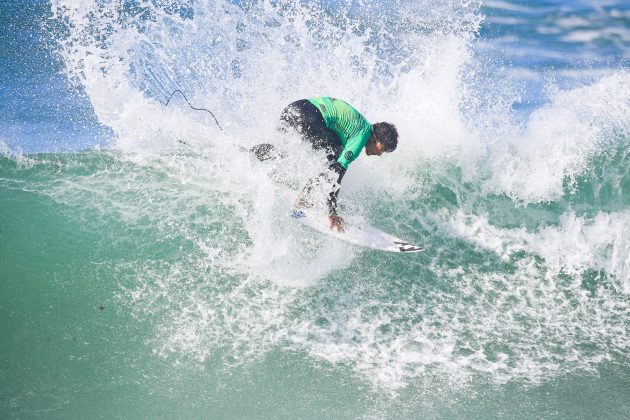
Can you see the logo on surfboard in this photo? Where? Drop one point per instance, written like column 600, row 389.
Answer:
column 407, row 247
column 297, row 214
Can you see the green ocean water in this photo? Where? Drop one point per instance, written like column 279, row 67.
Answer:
column 151, row 271
column 113, row 306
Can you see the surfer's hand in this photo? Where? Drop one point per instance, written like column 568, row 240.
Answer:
column 336, row 222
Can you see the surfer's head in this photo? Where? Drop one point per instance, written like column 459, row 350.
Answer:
column 384, row 138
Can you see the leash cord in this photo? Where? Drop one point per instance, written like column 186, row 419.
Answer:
column 196, row 109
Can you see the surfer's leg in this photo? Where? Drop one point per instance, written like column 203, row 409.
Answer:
column 299, row 116
column 304, row 118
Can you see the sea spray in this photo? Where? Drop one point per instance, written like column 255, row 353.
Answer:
column 186, row 237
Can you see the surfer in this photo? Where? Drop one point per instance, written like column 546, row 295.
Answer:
column 338, row 129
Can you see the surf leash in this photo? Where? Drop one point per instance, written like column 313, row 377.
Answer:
column 195, row 108
column 243, row 148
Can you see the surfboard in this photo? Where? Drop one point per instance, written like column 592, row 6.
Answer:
column 357, row 231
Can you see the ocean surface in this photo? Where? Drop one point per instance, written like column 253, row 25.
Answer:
column 148, row 268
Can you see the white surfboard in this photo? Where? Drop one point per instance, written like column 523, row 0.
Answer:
column 357, row 231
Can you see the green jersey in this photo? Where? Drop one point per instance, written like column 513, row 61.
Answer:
column 350, row 126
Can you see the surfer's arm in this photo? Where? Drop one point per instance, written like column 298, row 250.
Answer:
column 333, row 178
column 335, row 221
column 340, row 171
column 351, row 151
column 337, row 171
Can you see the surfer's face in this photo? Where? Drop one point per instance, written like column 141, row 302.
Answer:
column 374, row 147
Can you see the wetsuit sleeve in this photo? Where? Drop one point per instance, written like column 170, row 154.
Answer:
column 350, row 152
column 352, row 149
column 332, row 196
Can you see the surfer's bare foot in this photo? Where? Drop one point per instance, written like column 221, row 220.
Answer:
column 336, row 222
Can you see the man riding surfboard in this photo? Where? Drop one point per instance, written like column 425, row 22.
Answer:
column 337, row 128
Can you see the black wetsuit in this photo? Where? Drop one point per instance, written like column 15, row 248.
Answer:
column 328, row 124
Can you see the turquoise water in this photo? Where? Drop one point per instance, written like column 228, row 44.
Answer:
column 115, row 309
column 148, row 269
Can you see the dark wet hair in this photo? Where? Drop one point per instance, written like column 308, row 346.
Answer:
column 387, row 134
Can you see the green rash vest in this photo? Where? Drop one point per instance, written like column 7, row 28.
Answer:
column 350, row 126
